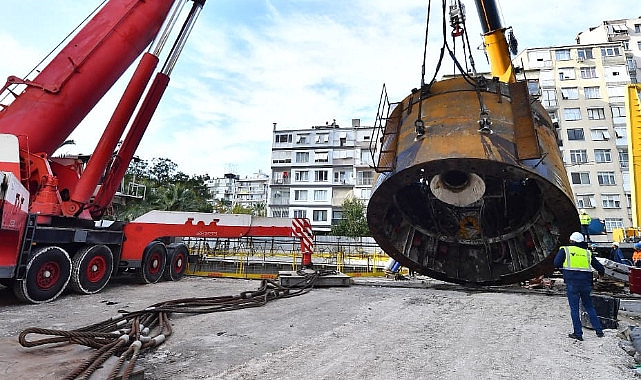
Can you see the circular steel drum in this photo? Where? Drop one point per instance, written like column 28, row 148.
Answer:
column 479, row 197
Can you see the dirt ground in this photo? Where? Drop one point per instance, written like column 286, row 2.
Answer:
column 374, row 329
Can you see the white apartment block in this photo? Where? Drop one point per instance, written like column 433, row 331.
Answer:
column 582, row 87
column 222, row 189
column 315, row 169
column 251, row 191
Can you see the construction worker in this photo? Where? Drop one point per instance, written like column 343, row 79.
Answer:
column 577, row 262
column 636, row 256
column 616, row 255
column 585, row 224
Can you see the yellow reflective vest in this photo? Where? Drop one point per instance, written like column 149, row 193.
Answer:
column 585, row 219
column 577, row 258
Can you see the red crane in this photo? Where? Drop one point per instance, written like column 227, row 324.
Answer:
column 49, row 205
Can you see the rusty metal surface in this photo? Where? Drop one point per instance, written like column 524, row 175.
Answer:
column 459, row 204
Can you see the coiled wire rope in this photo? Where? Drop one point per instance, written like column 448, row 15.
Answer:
column 129, row 333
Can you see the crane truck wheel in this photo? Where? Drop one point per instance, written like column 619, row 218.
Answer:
column 46, row 276
column 92, row 267
column 154, row 258
column 176, row 261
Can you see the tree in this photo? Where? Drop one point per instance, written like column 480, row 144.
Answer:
column 353, row 223
column 240, row 209
column 167, row 189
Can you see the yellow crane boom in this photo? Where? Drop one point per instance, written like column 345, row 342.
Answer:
column 633, row 121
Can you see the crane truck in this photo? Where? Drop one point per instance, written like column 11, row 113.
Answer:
column 51, row 237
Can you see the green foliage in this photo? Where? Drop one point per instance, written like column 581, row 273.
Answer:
column 354, row 222
column 240, row 209
column 167, row 189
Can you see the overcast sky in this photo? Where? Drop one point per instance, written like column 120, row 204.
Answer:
column 252, row 63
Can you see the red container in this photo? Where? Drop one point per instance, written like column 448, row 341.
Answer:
column 635, row 280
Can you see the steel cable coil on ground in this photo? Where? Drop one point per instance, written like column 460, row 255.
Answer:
column 127, row 334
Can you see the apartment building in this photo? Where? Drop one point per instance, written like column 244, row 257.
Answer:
column 625, row 31
column 582, row 87
column 251, row 192
column 222, row 189
column 315, row 169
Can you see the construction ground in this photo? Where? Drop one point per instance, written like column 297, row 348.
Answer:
column 377, row 328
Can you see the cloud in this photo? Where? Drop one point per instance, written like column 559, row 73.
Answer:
column 250, row 64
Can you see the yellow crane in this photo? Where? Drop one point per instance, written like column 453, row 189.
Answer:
column 633, row 121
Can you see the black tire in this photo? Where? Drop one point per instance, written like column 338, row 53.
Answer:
column 153, row 262
column 92, row 267
column 177, row 254
column 47, row 275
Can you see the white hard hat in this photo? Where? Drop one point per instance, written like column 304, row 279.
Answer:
column 582, row 211
column 615, row 243
column 577, row 237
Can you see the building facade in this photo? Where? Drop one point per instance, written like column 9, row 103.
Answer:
column 315, row 169
column 251, row 192
column 582, row 87
column 222, row 190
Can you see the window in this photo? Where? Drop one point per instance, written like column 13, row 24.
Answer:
column 302, row 139
column 599, row 134
column 611, row 51
column 606, row 178
column 301, row 176
column 284, row 138
column 278, row 213
column 280, row 157
column 602, row 155
column 300, row 195
column 637, row 28
column 548, row 98
column 562, row 54
column 340, row 176
column 322, row 138
column 319, row 215
column 585, row 201
column 623, row 158
column 592, row 92
column 302, row 157
column 321, row 157
column 618, row 111
column 612, row 223
column 596, row 114
column 571, row 114
column 578, row 156
column 533, row 86
column 366, row 193
column 639, row 45
column 566, row 73
column 571, row 93
column 300, row 213
column 320, row 175
column 365, row 178
column 588, row 72
column 584, row 53
column 320, row 195
column 580, row 178
column 366, row 157
column 611, row 200
column 576, row 134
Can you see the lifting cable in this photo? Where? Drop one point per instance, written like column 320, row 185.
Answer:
column 127, row 334
column 467, row 53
